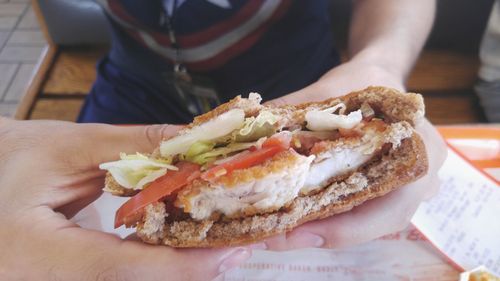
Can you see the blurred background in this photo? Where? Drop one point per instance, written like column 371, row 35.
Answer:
column 49, row 48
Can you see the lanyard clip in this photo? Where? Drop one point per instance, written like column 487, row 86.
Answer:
column 181, row 73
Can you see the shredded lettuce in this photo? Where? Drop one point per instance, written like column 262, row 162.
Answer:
column 255, row 128
column 198, row 148
column 136, row 170
column 220, row 126
column 140, row 156
column 213, row 154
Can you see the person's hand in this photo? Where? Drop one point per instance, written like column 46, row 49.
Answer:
column 379, row 216
column 49, row 171
column 350, row 76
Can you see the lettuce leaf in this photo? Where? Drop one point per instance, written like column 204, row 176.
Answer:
column 255, row 128
column 136, row 170
column 198, row 148
column 213, row 154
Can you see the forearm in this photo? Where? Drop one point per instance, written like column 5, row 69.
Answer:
column 385, row 39
column 390, row 33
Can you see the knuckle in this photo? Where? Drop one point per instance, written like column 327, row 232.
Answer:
column 107, row 274
column 334, row 236
column 151, row 134
column 155, row 133
column 331, row 238
column 166, row 131
column 4, row 129
column 9, row 142
column 100, row 272
column 197, row 269
column 277, row 102
column 329, row 244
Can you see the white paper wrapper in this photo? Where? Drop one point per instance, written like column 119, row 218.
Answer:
column 399, row 256
column 462, row 221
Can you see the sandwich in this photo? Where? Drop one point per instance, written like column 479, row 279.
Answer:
column 247, row 171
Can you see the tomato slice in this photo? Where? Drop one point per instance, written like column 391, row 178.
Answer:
column 350, row 133
column 255, row 156
column 305, row 140
column 132, row 210
column 244, row 161
column 280, row 139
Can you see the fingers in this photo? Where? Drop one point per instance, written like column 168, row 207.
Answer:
column 73, row 253
column 436, row 153
column 55, row 249
column 133, row 237
column 366, row 222
column 290, row 99
column 79, row 145
column 434, row 144
column 69, row 201
column 374, row 218
column 104, row 142
column 309, row 94
column 371, row 220
column 139, row 261
column 62, row 159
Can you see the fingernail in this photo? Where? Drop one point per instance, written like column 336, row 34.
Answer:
column 234, row 259
column 258, row 246
column 304, row 240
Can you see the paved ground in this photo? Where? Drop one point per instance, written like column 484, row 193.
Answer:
column 21, row 44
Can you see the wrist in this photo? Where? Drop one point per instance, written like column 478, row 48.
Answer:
column 393, row 63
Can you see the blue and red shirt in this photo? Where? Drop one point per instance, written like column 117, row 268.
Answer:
column 273, row 47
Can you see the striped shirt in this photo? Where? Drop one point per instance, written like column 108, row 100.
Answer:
column 273, row 47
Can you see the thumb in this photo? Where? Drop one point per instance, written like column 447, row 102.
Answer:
column 107, row 141
column 82, row 146
column 310, row 93
column 71, row 154
column 149, row 262
column 81, row 254
column 290, row 99
column 189, row 264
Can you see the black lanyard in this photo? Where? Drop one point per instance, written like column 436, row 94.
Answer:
column 167, row 21
column 198, row 93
